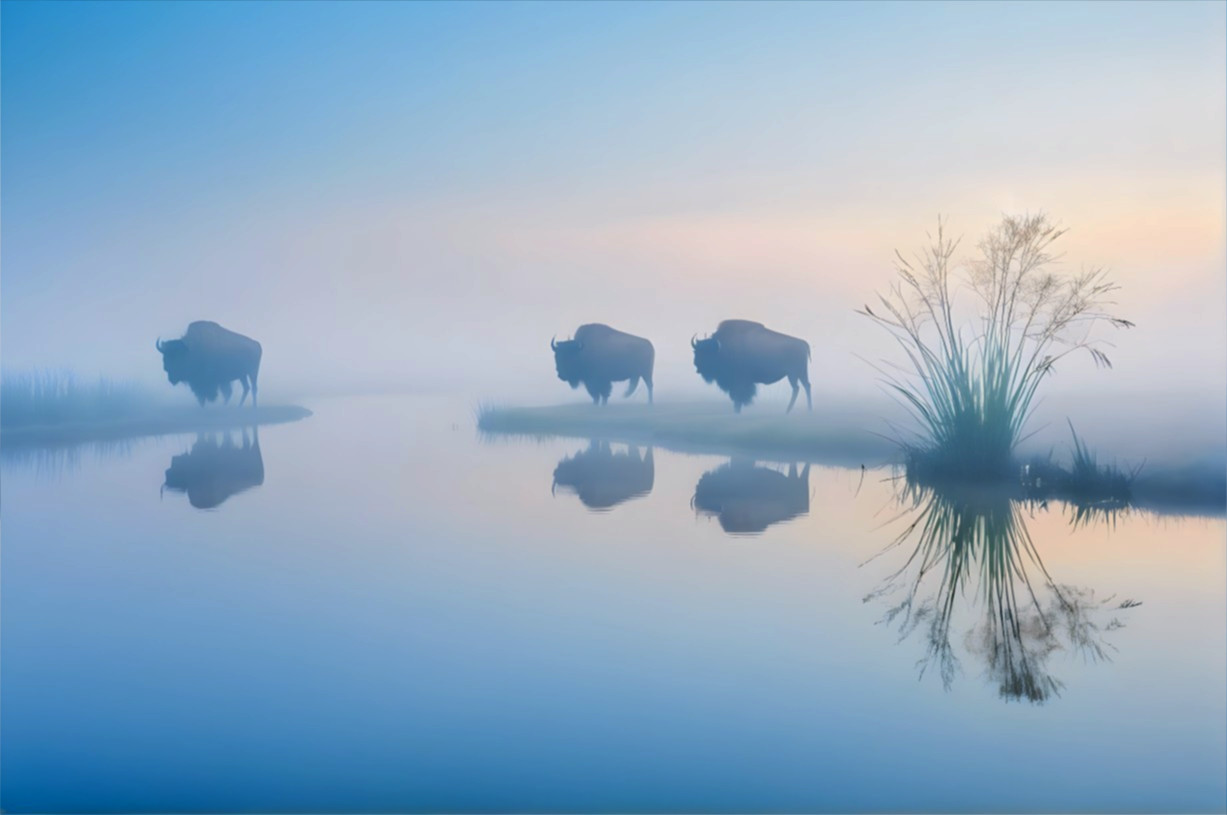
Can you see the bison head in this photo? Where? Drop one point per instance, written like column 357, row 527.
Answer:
column 174, row 360
column 713, row 363
column 706, row 357
column 568, row 361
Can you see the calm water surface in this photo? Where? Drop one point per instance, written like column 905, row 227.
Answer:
column 375, row 609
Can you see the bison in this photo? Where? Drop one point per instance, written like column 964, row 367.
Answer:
column 597, row 356
column 208, row 358
column 748, row 498
column 602, row 479
column 213, row 470
column 742, row 355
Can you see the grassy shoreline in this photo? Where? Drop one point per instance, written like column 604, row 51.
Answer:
column 838, row 438
column 150, row 422
column 822, row 437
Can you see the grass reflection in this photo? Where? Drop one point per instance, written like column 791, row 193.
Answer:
column 972, row 544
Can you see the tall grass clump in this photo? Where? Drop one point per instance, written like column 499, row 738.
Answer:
column 980, row 337
column 59, row 397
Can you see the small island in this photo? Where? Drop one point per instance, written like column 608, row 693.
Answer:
column 55, row 409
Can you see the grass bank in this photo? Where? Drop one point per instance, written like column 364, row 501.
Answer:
column 58, row 408
column 825, row 436
column 156, row 421
column 841, row 438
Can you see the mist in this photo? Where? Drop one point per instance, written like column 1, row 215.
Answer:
column 310, row 505
column 425, row 211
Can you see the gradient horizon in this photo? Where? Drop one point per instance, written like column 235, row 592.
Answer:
column 425, row 192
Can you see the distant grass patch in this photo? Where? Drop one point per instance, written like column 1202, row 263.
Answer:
column 823, row 436
column 58, row 397
column 57, row 408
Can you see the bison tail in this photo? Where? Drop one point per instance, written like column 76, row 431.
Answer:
column 631, row 388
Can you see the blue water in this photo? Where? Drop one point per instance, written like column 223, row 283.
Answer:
column 379, row 610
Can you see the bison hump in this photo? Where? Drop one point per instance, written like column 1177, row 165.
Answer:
column 729, row 326
column 208, row 334
column 594, row 330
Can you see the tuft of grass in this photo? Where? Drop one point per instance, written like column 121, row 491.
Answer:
column 1093, row 491
column 1089, row 482
column 970, row 383
column 58, row 397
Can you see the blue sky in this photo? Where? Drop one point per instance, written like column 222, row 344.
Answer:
column 354, row 182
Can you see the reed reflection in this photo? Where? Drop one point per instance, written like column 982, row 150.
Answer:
column 602, row 478
column 216, row 468
column 973, row 544
column 747, row 498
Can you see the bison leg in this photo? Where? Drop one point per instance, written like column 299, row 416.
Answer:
column 647, row 380
column 253, row 389
column 630, row 388
column 809, row 400
column 599, row 391
column 227, row 392
column 246, row 389
column 792, row 380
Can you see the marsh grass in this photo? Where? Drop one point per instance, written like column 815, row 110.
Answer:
column 58, row 397
column 57, row 408
column 1094, row 492
column 979, row 340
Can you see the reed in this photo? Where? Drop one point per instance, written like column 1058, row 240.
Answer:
column 979, row 338
column 51, row 397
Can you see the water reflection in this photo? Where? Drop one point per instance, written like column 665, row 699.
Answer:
column 747, row 498
column 216, row 468
column 602, row 479
column 974, row 544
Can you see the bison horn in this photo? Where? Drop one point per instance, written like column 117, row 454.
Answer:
column 694, row 343
column 158, row 345
column 554, row 343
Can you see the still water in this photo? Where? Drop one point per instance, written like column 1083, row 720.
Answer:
column 375, row 609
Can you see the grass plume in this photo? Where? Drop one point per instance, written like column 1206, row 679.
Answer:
column 970, row 384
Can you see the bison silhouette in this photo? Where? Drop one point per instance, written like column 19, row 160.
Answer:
column 742, row 355
column 209, row 358
column 597, row 356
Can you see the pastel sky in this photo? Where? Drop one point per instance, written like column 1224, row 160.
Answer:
column 400, row 193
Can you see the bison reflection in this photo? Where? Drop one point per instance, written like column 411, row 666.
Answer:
column 215, row 469
column 747, row 498
column 973, row 546
column 602, row 478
